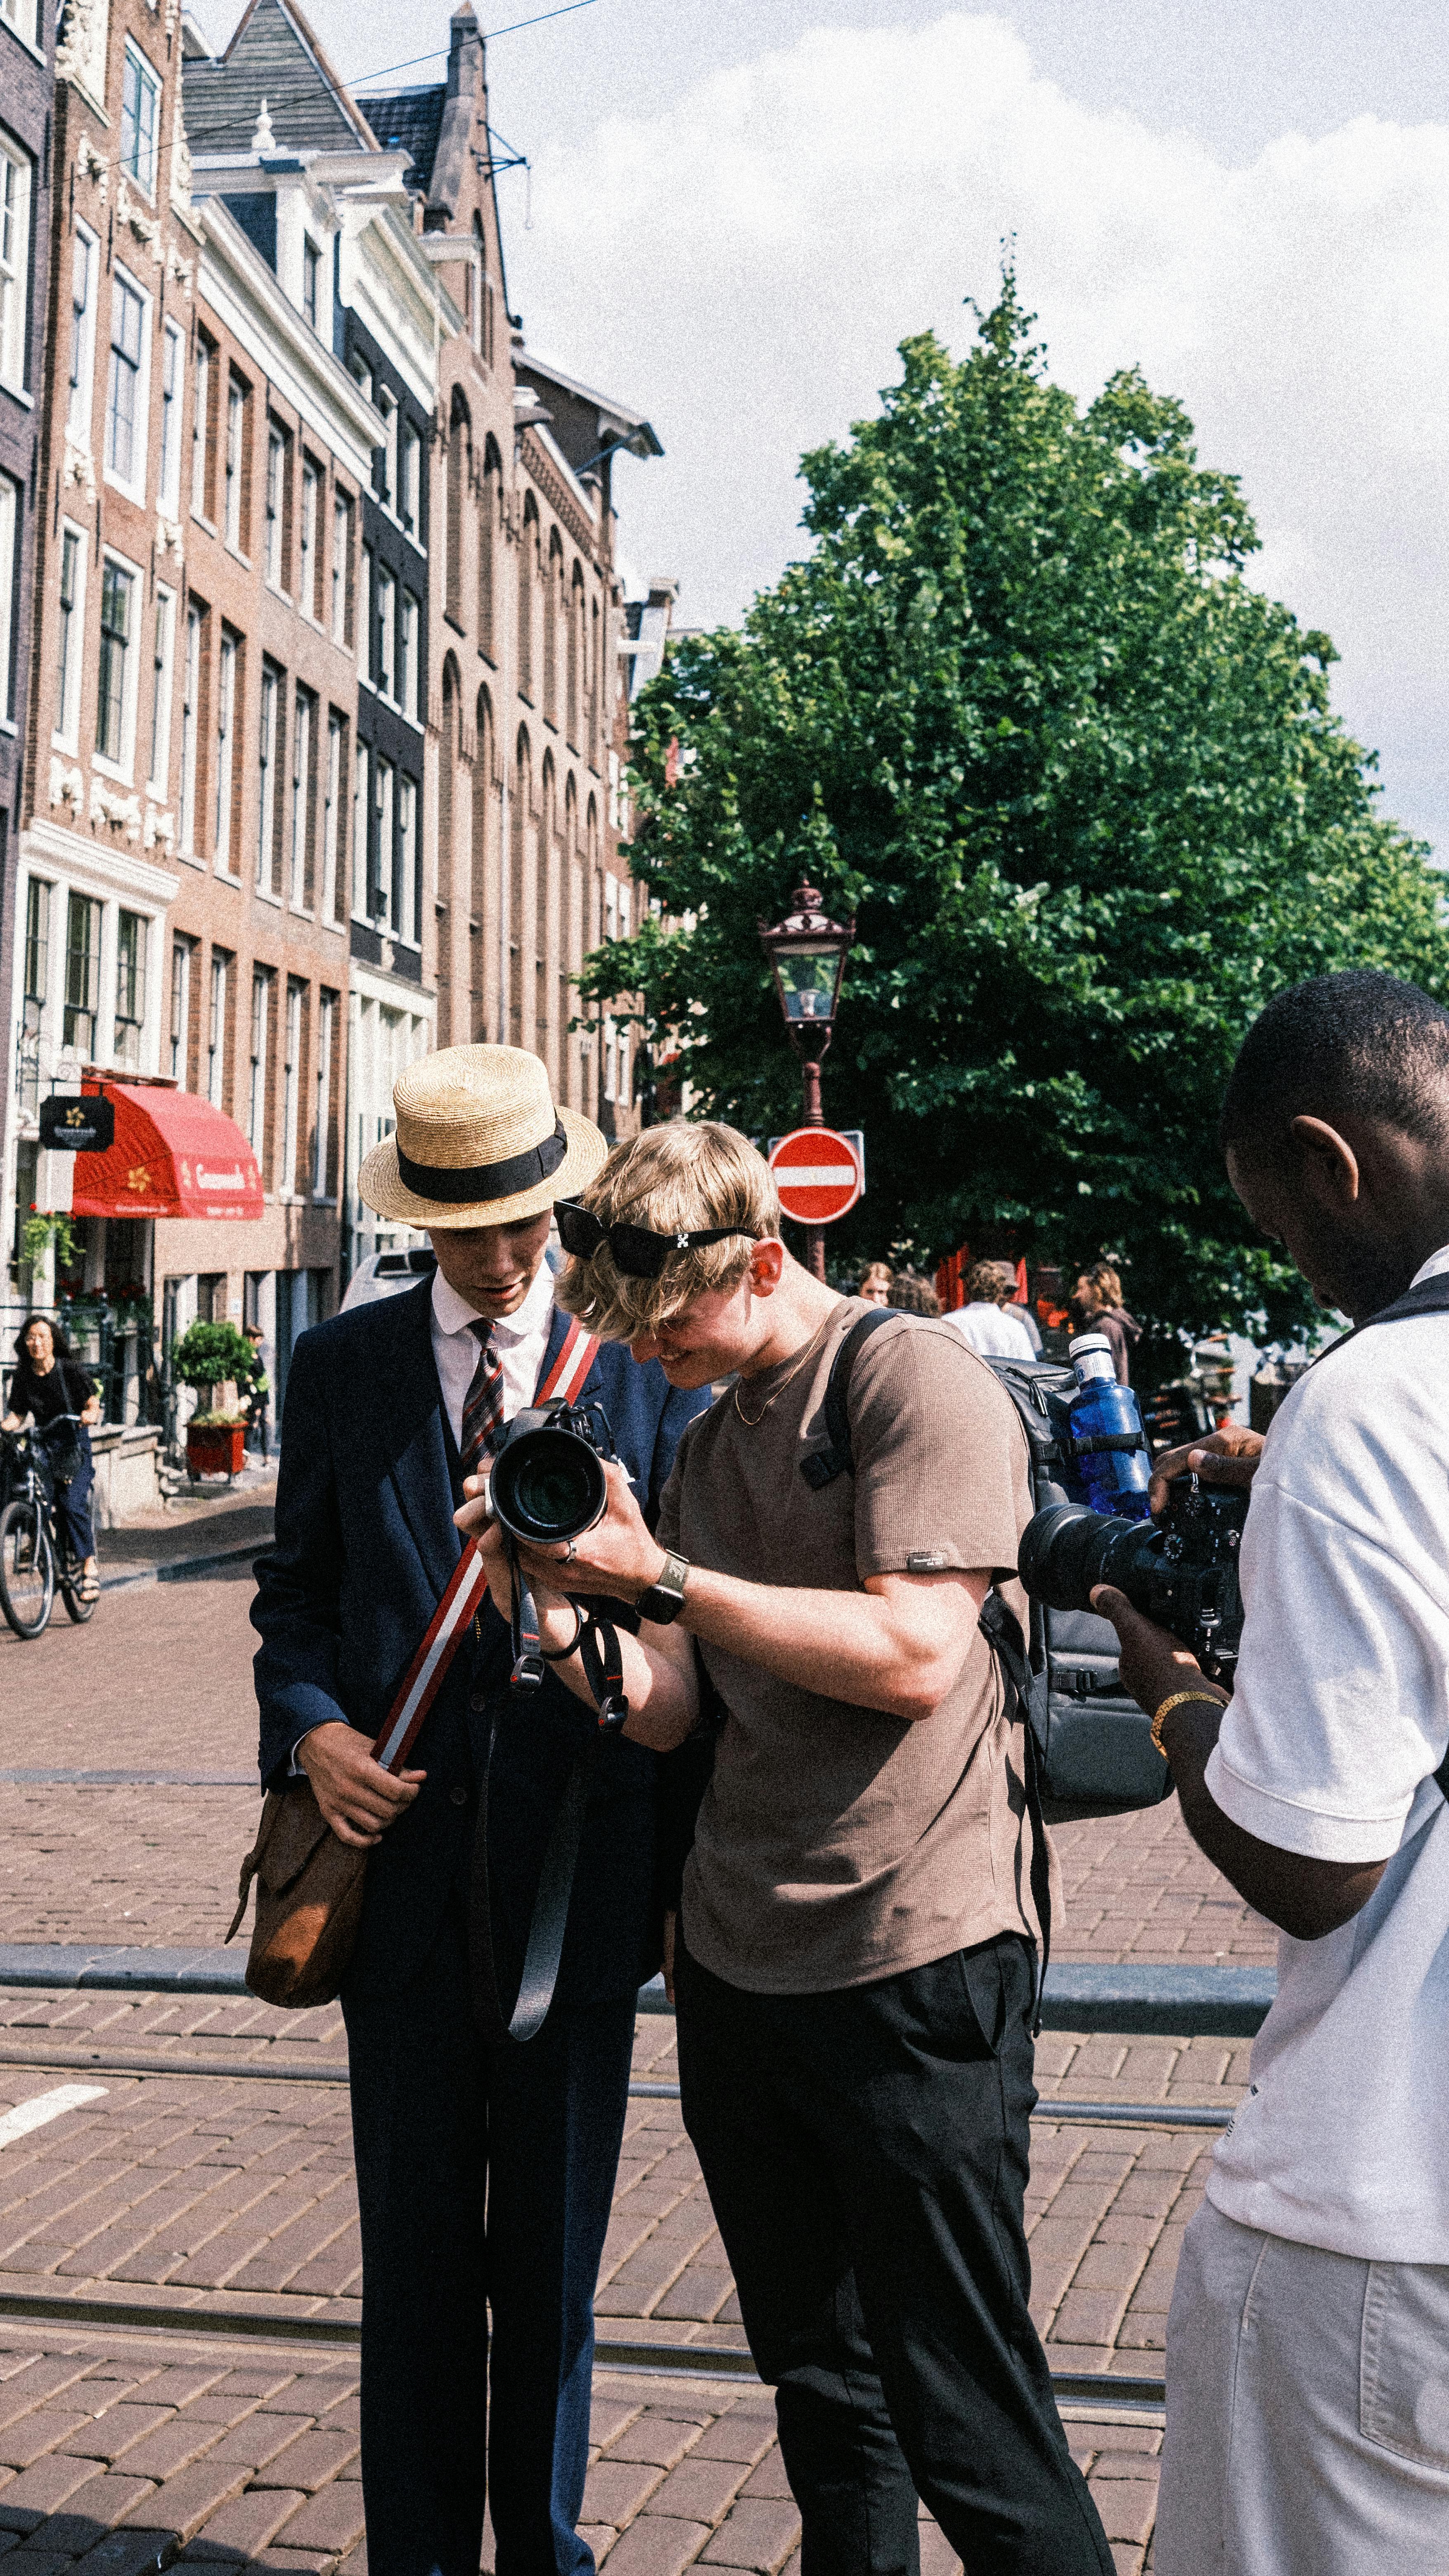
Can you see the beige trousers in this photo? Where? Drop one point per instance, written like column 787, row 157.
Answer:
column 1307, row 2411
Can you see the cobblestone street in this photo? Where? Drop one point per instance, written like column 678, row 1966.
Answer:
column 206, row 2187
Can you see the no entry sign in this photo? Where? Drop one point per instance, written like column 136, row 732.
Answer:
column 816, row 1174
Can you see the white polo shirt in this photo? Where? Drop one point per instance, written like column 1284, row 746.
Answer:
column 1338, row 1721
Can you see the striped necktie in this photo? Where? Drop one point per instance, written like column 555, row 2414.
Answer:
column 483, row 1404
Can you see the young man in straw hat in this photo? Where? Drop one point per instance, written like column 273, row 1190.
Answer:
column 483, row 2171
column 856, row 1961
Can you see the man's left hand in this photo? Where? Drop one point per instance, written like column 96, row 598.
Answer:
column 1153, row 1665
column 616, row 1557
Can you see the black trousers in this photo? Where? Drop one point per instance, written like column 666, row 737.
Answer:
column 866, row 2154
column 484, row 2180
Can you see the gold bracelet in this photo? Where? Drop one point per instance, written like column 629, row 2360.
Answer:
column 1176, row 1701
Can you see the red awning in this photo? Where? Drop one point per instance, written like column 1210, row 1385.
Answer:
column 174, row 1155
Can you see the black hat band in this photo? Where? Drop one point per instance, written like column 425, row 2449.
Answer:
column 480, row 1182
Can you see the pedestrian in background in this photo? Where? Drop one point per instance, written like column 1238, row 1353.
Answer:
column 876, row 1283
column 49, row 1381
column 913, row 1294
column 1097, row 1307
column 986, row 1321
column 259, row 1387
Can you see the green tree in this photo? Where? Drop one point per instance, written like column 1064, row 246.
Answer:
column 1083, row 788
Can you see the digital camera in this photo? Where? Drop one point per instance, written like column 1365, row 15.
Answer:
column 547, row 1483
column 1181, row 1570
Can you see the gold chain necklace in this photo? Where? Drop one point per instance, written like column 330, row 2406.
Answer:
column 753, row 1419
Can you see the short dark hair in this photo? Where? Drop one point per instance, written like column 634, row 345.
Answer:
column 1364, row 1044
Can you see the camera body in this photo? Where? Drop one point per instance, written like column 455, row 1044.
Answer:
column 547, row 1483
column 1180, row 1570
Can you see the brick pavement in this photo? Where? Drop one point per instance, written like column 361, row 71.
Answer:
column 230, row 2195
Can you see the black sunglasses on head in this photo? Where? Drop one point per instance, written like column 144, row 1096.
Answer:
column 637, row 1253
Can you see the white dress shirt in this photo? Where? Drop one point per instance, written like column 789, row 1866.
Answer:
column 995, row 1331
column 520, row 1341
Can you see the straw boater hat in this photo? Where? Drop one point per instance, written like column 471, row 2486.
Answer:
column 478, row 1142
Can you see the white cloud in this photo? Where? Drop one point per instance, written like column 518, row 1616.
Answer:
column 744, row 265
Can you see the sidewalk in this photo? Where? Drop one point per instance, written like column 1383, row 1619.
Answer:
column 193, row 1528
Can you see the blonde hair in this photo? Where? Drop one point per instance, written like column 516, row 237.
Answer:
column 681, row 1178
column 875, row 1270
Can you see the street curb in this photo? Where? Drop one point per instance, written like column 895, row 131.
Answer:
column 181, row 1568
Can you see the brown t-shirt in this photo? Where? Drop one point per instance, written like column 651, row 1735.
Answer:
column 839, row 1844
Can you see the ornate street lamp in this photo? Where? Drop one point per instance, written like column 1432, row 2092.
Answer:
column 807, row 952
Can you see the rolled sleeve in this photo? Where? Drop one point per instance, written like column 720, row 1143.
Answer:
column 1340, row 1689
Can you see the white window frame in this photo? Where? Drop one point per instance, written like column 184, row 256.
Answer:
column 382, row 794
column 85, row 263
column 216, row 1029
column 303, row 750
column 225, row 749
column 134, row 484
column 361, row 842
column 387, row 406
column 179, row 1040
column 143, row 922
column 22, row 17
column 190, row 723
column 66, row 736
column 410, row 631
column 341, row 530
column 233, row 462
column 311, row 272
column 407, row 815
column 123, row 767
column 364, row 622
column 163, row 661
column 257, row 1061
column 15, row 202
column 291, row 1082
column 307, row 546
column 326, row 1008
column 275, row 499
column 410, row 481
column 200, row 423
column 141, row 173
column 11, row 520
column 332, row 814
column 386, row 632
column 272, row 686
column 173, row 404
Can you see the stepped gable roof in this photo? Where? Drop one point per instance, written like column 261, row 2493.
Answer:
column 409, row 120
column 273, row 54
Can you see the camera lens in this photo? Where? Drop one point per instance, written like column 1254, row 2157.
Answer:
column 548, row 1486
column 1067, row 1549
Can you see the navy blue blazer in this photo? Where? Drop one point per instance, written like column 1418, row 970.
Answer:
column 368, row 1483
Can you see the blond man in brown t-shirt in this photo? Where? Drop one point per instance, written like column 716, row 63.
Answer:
column 855, row 1963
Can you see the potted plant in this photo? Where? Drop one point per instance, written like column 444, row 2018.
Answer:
column 211, row 1358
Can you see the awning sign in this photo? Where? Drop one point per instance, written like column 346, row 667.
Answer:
column 170, row 1155
column 77, row 1123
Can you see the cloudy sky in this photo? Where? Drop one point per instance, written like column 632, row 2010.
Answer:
column 739, row 210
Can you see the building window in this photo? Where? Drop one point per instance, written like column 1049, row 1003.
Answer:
column 257, row 1081
column 307, row 573
column 407, row 668
column 322, row 1134
column 37, row 947
column 267, row 775
column 14, row 263
column 359, row 835
column 341, row 566
column 83, row 270
column 117, row 600
column 332, row 813
column 388, row 460
column 407, row 816
column 362, row 378
column 125, row 423
column 190, row 712
column 225, row 725
column 82, row 974
column 273, row 556
column 140, row 105
column 172, row 361
column 382, row 894
column 216, row 1029
column 9, row 543
column 161, row 692
column 200, row 425
column 409, row 480
column 386, row 633
column 291, row 1084
column 311, row 264
column 300, row 872
column 130, row 988
column 23, row 16
column 364, row 623
column 180, row 1009
column 235, row 448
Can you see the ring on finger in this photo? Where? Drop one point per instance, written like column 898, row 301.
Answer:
column 570, row 1552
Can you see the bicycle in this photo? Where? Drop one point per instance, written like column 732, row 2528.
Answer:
column 32, row 1559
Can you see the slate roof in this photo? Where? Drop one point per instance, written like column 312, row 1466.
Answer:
column 269, row 57
column 409, row 120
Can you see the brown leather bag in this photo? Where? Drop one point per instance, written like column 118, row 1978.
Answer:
column 309, row 1902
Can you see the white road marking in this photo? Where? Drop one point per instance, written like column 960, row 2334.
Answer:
column 46, row 2106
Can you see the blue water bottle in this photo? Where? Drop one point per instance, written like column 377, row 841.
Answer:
column 1116, row 1479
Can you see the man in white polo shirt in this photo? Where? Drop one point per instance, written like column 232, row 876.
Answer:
column 1308, row 2345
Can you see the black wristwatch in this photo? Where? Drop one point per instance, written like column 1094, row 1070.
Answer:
column 665, row 1598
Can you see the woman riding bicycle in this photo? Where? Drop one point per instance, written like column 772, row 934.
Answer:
column 48, row 1382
